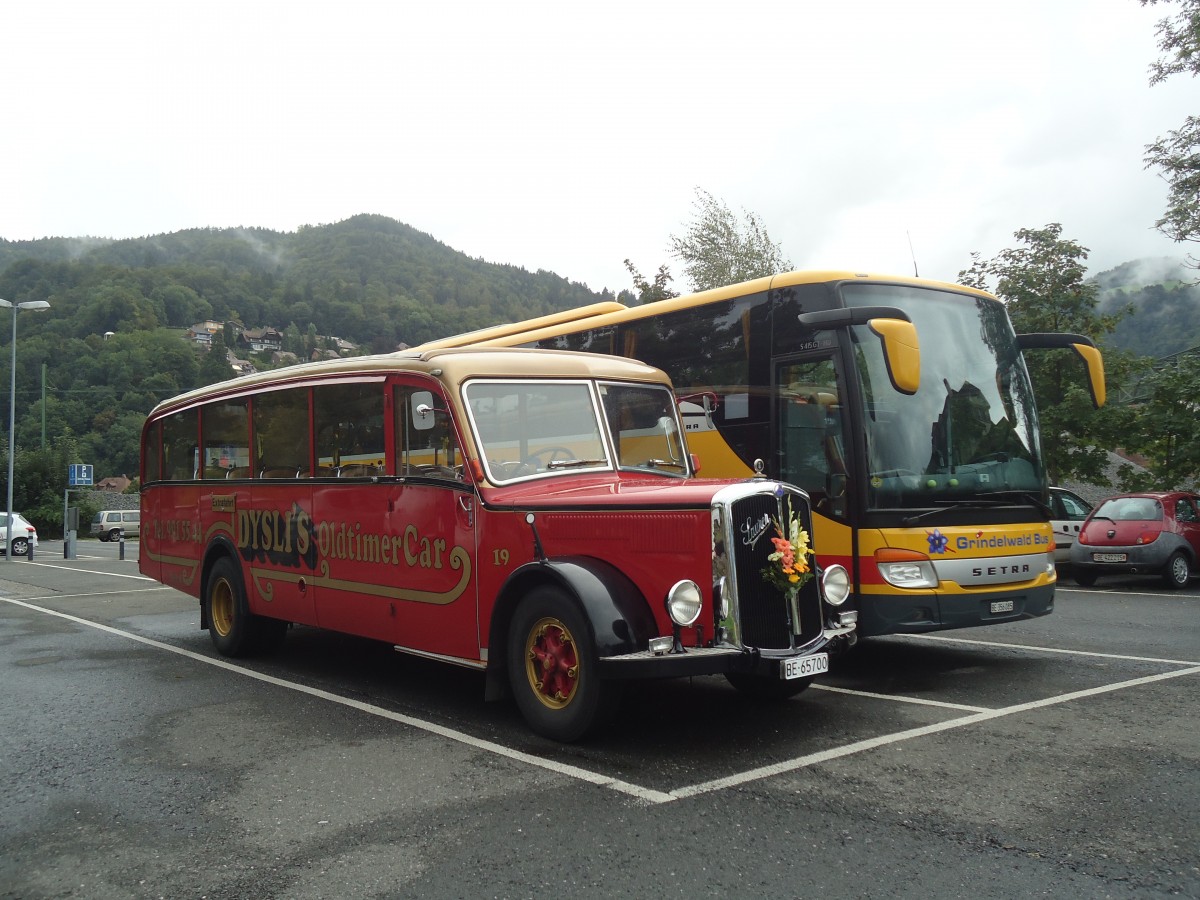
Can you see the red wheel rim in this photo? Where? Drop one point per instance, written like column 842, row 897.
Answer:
column 552, row 663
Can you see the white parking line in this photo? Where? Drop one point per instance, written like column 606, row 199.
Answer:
column 1035, row 649
column 887, row 739
column 899, row 698
column 89, row 571
column 639, row 792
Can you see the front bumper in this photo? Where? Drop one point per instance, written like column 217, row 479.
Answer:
column 1150, row 557
column 713, row 660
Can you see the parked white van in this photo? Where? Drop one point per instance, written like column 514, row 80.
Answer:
column 109, row 524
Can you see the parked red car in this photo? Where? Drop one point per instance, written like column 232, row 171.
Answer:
column 1134, row 533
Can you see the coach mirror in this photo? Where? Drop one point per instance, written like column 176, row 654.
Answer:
column 896, row 332
column 423, row 413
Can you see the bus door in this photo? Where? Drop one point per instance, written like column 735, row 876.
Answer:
column 811, row 447
column 432, row 512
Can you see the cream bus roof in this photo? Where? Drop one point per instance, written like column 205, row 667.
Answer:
column 451, row 366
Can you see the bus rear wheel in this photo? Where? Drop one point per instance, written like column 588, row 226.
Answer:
column 552, row 668
column 235, row 631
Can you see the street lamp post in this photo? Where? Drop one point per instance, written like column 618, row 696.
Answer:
column 12, row 412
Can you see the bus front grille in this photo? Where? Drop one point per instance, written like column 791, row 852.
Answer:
column 765, row 620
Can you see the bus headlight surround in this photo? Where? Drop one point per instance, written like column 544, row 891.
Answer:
column 906, row 568
column 684, row 602
column 835, row 585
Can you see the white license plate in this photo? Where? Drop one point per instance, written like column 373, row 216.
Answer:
column 999, row 606
column 1108, row 557
column 803, row 666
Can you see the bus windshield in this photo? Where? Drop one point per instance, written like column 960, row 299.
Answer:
column 530, row 429
column 971, row 428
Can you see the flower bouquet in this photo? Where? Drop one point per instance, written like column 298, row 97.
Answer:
column 788, row 568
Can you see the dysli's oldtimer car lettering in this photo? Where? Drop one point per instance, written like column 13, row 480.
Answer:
column 533, row 514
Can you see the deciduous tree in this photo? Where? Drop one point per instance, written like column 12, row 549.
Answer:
column 1177, row 155
column 717, row 249
column 1042, row 284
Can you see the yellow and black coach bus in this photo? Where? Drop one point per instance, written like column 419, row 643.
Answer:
column 901, row 405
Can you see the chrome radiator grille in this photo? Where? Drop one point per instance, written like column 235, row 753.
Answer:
column 759, row 615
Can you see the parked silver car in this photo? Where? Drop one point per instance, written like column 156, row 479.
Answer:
column 22, row 538
column 1068, row 512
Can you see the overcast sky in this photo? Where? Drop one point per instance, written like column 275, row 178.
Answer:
column 568, row 136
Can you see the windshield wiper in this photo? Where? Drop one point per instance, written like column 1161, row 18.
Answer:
column 657, row 463
column 1024, row 495
column 961, row 504
column 574, row 463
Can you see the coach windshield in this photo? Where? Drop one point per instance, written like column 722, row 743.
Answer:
column 529, row 429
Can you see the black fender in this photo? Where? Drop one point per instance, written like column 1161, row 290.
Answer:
column 618, row 615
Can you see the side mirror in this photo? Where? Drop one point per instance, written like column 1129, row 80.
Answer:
column 1084, row 346
column 901, row 352
column 422, row 411
column 901, row 349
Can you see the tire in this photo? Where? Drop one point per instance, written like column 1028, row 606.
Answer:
column 552, row 668
column 114, row 534
column 1175, row 573
column 20, row 547
column 1083, row 577
column 234, row 630
column 763, row 687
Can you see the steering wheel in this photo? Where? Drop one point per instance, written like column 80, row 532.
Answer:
column 551, row 454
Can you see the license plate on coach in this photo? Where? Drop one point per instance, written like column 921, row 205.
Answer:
column 803, row 666
column 1002, row 606
column 1108, row 557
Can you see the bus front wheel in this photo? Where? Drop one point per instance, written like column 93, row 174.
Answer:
column 552, row 668
column 234, row 629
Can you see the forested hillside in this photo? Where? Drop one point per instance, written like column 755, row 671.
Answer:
column 1165, row 300
column 370, row 280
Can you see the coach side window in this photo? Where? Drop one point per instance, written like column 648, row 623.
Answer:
column 282, row 446
column 152, row 454
column 225, row 430
column 426, row 443
column 348, row 420
column 180, row 450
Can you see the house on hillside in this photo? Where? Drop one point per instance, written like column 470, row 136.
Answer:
column 258, row 340
column 114, row 484
column 240, row 366
column 202, row 332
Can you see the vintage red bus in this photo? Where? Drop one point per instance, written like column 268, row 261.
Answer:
column 532, row 514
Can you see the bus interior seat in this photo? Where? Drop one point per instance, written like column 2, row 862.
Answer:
column 280, row 472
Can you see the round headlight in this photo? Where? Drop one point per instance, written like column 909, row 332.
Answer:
column 835, row 585
column 683, row 602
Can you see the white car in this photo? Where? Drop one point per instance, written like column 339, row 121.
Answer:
column 24, row 535
column 1069, row 511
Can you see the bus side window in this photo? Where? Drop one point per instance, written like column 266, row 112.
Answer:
column 283, row 448
column 426, row 443
column 348, row 419
column 153, row 453
column 180, row 446
column 225, row 428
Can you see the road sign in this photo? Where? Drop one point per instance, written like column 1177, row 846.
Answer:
column 79, row 475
